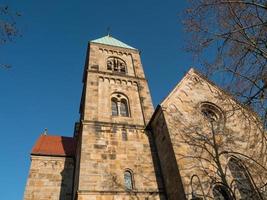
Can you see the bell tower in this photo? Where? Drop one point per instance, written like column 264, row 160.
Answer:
column 113, row 159
column 114, row 74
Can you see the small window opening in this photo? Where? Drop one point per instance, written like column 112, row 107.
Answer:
column 116, row 68
column 211, row 112
column 119, row 105
column 123, row 70
column 124, row 108
column 109, row 65
column 128, row 180
column 116, row 64
column 114, row 107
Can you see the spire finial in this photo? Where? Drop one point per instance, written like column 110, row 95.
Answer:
column 45, row 131
column 108, row 31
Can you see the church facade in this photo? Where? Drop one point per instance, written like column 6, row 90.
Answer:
column 122, row 149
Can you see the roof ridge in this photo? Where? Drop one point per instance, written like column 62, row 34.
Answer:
column 109, row 40
column 191, row 71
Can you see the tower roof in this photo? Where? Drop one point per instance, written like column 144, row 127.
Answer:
column 109, row 40
column 54, row 146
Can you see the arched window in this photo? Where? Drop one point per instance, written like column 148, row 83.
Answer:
column 114, row 107
column 109, row 65
column 211, row 112
column 128, row 180
column 220, row 192
column 242, row 179
column 116, row 65
column 119, row 105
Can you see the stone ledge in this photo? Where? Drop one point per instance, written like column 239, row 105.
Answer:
column 110, row 124
column 94, row 192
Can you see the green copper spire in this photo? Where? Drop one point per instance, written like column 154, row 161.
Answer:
column 108, row 40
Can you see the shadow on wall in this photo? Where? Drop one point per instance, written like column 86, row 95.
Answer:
column 156, row 165
column 67, row 174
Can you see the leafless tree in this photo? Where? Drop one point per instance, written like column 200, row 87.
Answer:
column 229, row 37
column 211, row 146
column 8, row 27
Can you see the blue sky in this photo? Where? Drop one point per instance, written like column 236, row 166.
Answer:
column 43, row 87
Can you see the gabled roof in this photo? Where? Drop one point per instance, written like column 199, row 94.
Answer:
column 54, row 146
column 189, row 73
column 108, row 40
column 211, row 83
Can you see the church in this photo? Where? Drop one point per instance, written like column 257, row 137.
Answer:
column 199, row 143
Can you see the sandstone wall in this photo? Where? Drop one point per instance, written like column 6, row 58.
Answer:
column 106, row 152
column 120, row 196
column 101, row 83
column 168, row 164
column 238, row 135
column 112, row 144
column 49, row 178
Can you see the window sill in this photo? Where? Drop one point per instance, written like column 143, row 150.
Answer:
column 119, row 116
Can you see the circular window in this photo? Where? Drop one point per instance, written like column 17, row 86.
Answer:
column 211, row 112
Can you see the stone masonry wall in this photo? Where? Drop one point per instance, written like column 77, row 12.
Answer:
column 170, row 171
column 239, row 134
column 112, row 144
column 50, row 178
column 101, row 83
column 106, row 152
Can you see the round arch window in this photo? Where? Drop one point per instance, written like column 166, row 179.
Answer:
column 211, row 112
column 128, row 180
column 120, row 105
column 116, row 64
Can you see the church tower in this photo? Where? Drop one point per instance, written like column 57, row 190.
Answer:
column 113, row 156
column 120, row 152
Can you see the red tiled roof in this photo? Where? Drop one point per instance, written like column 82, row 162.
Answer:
column 54, row 146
